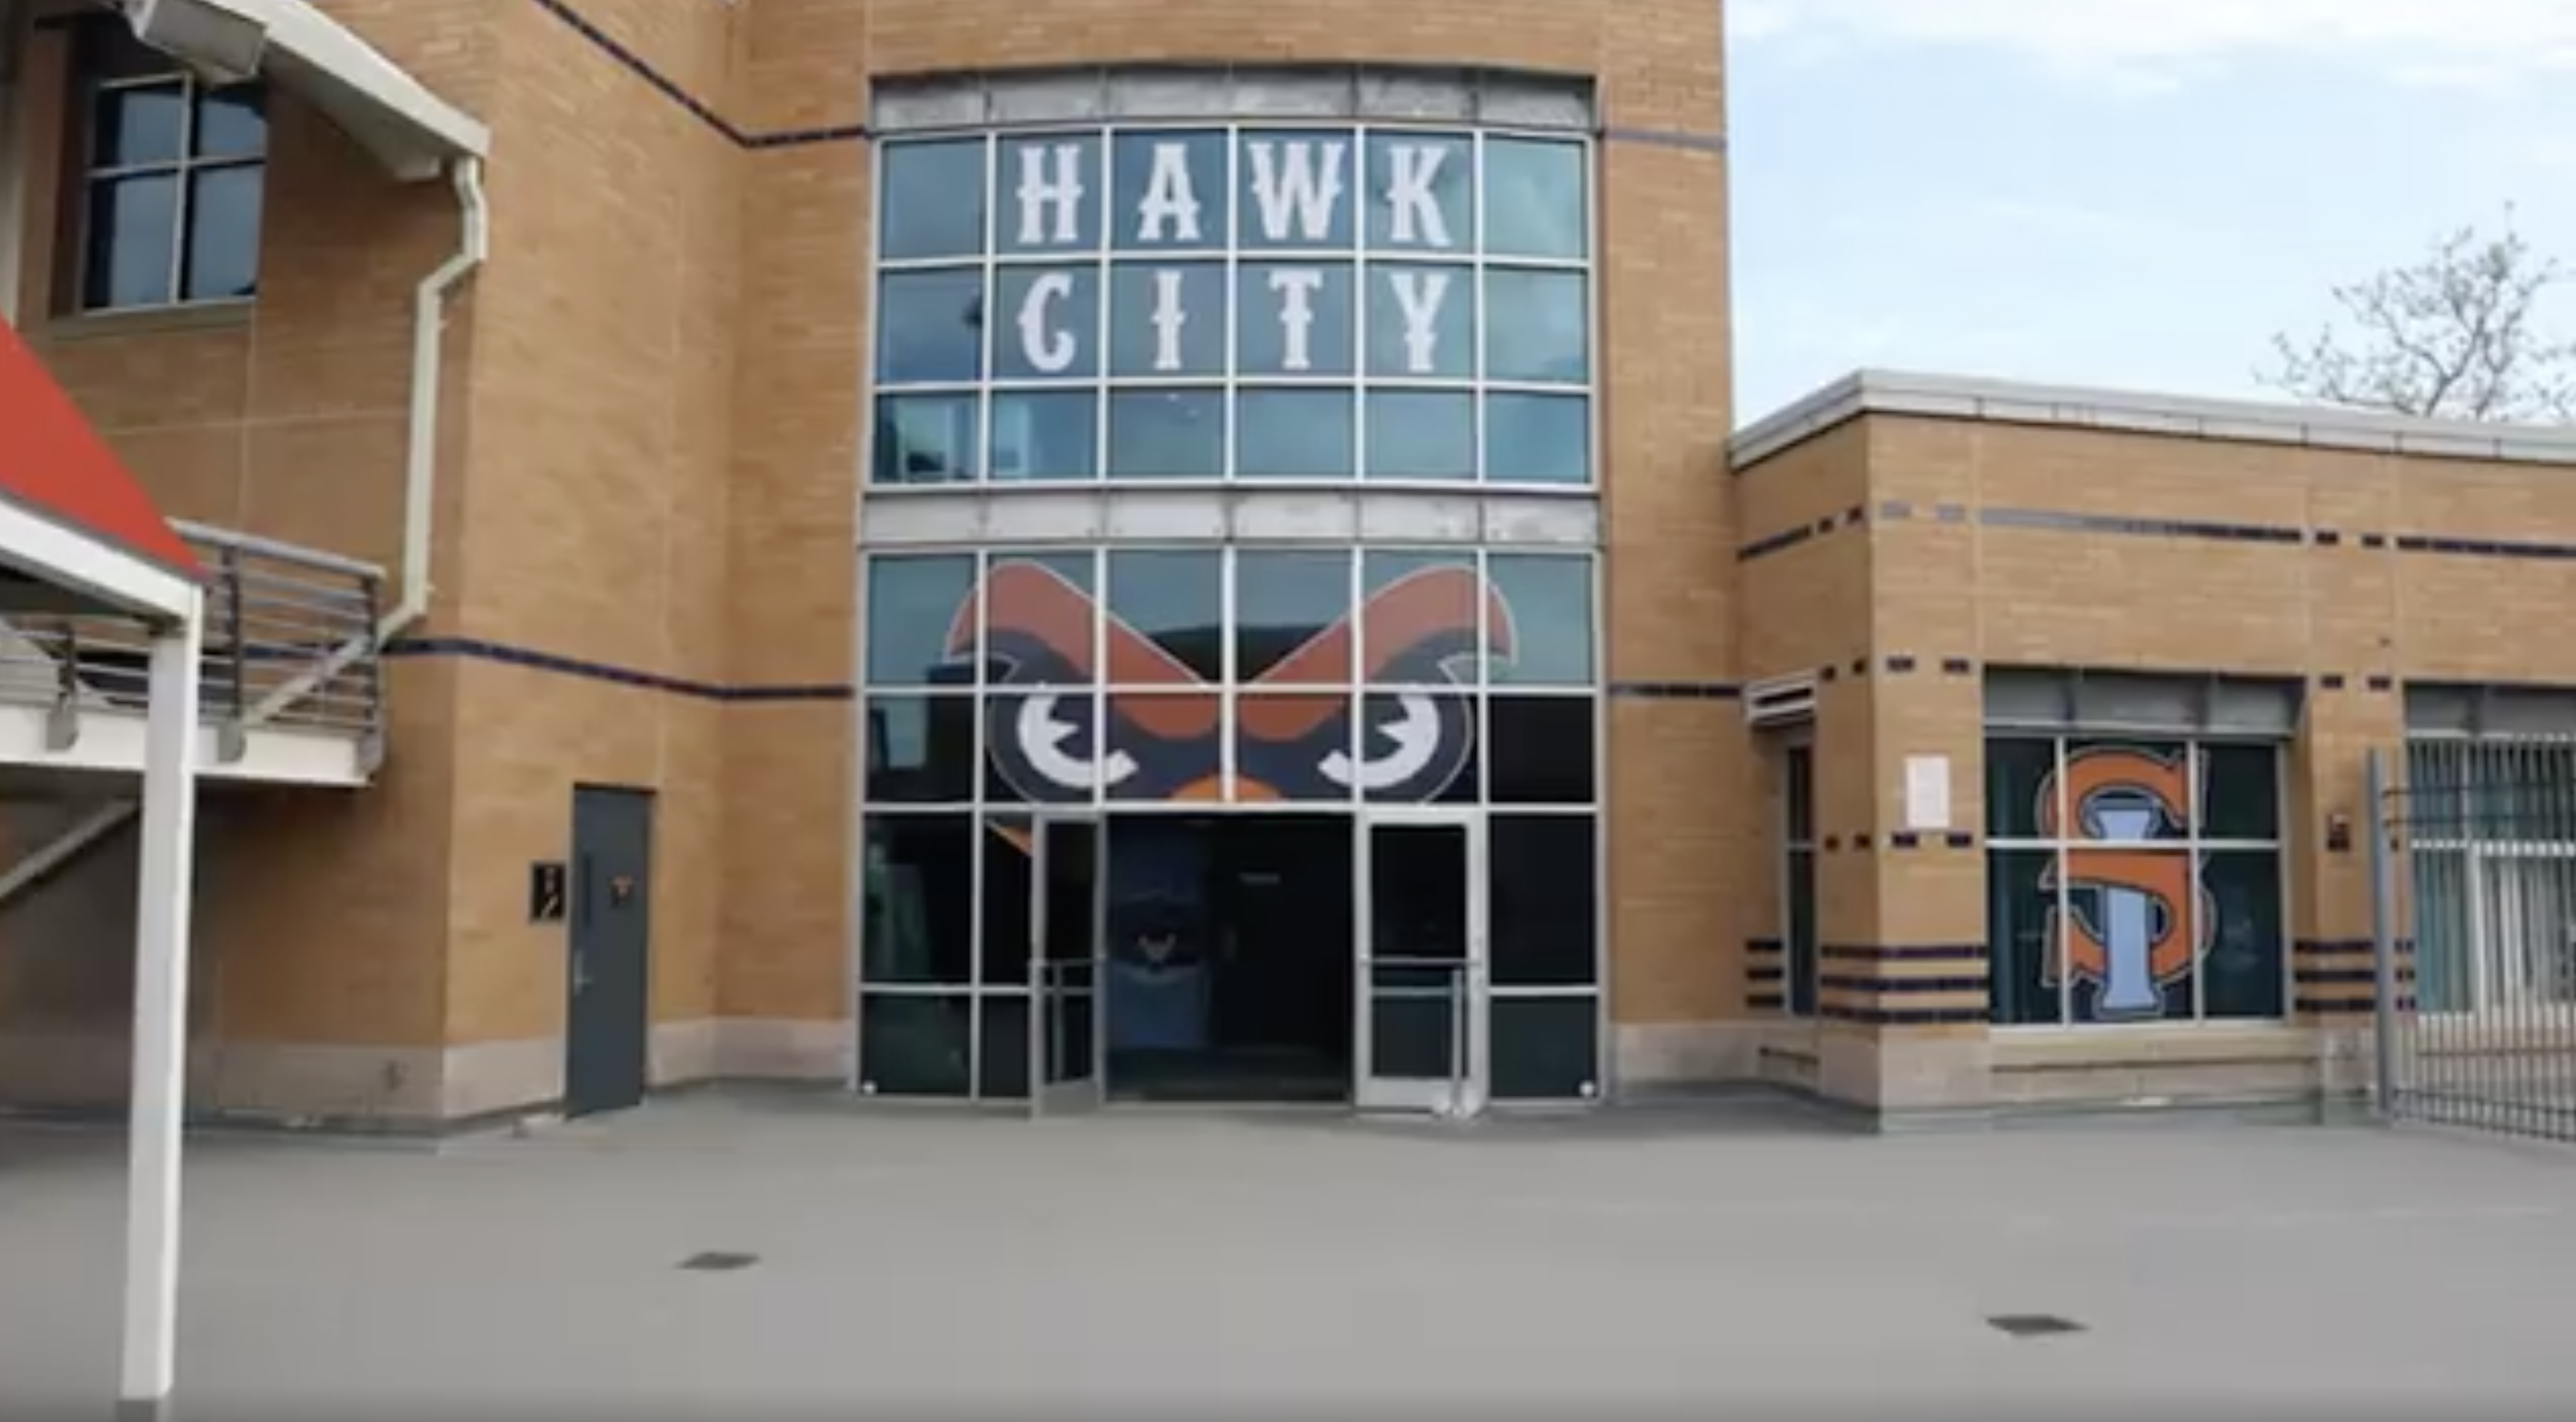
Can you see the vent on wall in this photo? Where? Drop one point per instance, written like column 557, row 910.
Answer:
column 1781, row 701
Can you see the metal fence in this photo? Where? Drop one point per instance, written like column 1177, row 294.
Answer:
column 2474, row 872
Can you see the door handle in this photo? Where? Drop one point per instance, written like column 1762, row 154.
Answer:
column 580, row 972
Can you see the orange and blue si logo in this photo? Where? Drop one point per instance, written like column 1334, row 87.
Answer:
column 2137, row 918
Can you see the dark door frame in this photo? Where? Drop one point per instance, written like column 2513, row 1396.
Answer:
column 587, row 1088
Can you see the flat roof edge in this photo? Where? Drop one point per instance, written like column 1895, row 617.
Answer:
column 1892, row 392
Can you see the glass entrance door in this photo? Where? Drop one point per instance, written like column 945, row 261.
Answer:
column 1068, row 937
column 1420, row 1035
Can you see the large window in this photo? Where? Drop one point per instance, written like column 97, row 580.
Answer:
column 1271, row 302
column 2491, row 843
column 1797, row 787
column 170, row 180
column 1155, row 680
column 2134, row 880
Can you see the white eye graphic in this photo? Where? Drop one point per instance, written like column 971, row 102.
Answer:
column 1416, row 738
column 1042, row 735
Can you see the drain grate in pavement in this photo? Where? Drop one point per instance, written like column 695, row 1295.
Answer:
column 718, row 1261
column 2032, row 1325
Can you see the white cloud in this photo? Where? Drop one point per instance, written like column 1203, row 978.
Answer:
column 2449, row 41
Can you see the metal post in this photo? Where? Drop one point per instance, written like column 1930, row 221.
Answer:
column 149, row 1358
column 236, row 731
column 2383, row 937
column 1459, row 993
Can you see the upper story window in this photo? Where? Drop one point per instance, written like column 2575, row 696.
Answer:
column 1273, row 299
column 169, row 180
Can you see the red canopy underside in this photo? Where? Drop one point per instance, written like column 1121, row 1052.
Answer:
column 51, row 461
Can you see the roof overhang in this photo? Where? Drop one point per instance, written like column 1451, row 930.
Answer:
column 395, row 117
column 48, row 566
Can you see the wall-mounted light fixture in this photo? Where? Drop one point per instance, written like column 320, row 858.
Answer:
column 222, row 43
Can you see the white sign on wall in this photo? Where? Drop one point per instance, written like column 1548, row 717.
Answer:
column 1927, row 794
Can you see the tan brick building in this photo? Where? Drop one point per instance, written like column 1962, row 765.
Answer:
column 1032, row 553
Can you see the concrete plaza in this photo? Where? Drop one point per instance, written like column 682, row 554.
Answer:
column 1207, row 1265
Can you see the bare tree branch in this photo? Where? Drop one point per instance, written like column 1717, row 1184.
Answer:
column 2455, row 334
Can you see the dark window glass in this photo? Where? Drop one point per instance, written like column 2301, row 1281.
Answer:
column 2019, row 773
column 1292, row 748
column 1546, row 1048
column 1042, row 748
column 1538, row 439
column 1047, row 324
column 932, row 200
column 139, row 125
column 2020, row 902
column 1545, row 901
column 1294, row 434
column 2240, row 792
column 1008, row 881
column 1421, row 193
column 1002, row 1071
column 105, row 48
column 1041, row 436
column 920, row 886
column 232, row 122
column 911, row 606
column 930, row 327
column 1166, row 434
column 1295, row 190
column 223, row 233
column 921, row 750
column 1165, row 748
column 1050, row 194
column 1537, row 327
column 1550, row 598
column 1421, row 435
column 1534, row 204
column 1798, row 792
column 1541, row 750
column 925, row 439
column 1175, row 601
column 1422, row 322
column 1800, row 945
column 2127, row 938
column 1419, row 626
column 133, row 225
column 1167, row 320
column 1284, row 604
column 915, row 1046
column 1418, row 748
column 1295, row 318
column 1038, row 615
column 1170, row 193
column 2242, row 975
column 2126, row 792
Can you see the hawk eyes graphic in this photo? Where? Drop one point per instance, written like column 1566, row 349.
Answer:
column 1054, row 745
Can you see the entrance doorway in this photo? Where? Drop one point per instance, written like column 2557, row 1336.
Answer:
column 608, row 1018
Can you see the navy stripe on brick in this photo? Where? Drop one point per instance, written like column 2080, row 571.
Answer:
column 1777, row 543
column 1904, row 953
column 1908, row 1016
column 1666, row 138
column 696, row 107
column 2485, row 548
column 1675, row 690
column 475, row 649
column 2140, row 527
column 1902, row 987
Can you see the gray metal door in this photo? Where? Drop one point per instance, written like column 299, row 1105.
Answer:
column 607, row 1035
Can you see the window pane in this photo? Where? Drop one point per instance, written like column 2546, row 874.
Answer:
column 1167, row 605
column 1798, row 788
column 1285, row 604
column 1546, row 1048
column 911, row 605
column 1533, row 199
column 143, row 124
column 2125, row 792
column 921, row 750
column 1420, row 623
column 1296, row 318
column 2021, row 900
column 1545, row 900
column 2128, row 939
column 1170, row 193
column 1416, row 748
column 1421, row 195
column 1295, row 190
column 1050, row 194
column 2240, row 792
column 1050, row 323
column 932, row 201
column 1166, row 434
column 2243, row 974
column 232, row 122
column 1042, row 748
column 1537, row 327
column 1168, row 320
column 223, row 233
column 1041, row 436
column 925, row 439
column 1418, row 435
column 914, row 1046
column 1799, row 950
column 1165, row 748
column 1550, row 598
column 1538, row 439
column 1038, row 619
column 1422, row 322
column 1009, row 878
column 131, row 231
column 920, row 885
column 1294, row 434
column 2020, row 778
column 1292, row 748
column 1002, row 1071
column 930, row 327
column 1541, row 750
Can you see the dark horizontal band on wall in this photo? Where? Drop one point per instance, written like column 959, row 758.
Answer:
column 1909, row 1016
column 1764, row 1002
column 1904, row 953
column 2347, row 977
column 1903, row 987
column 2286, row 534
column 474, row 649
column 2348, row 1007
column 1676, row 691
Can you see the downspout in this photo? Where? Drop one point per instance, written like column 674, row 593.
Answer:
column 13, row 162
